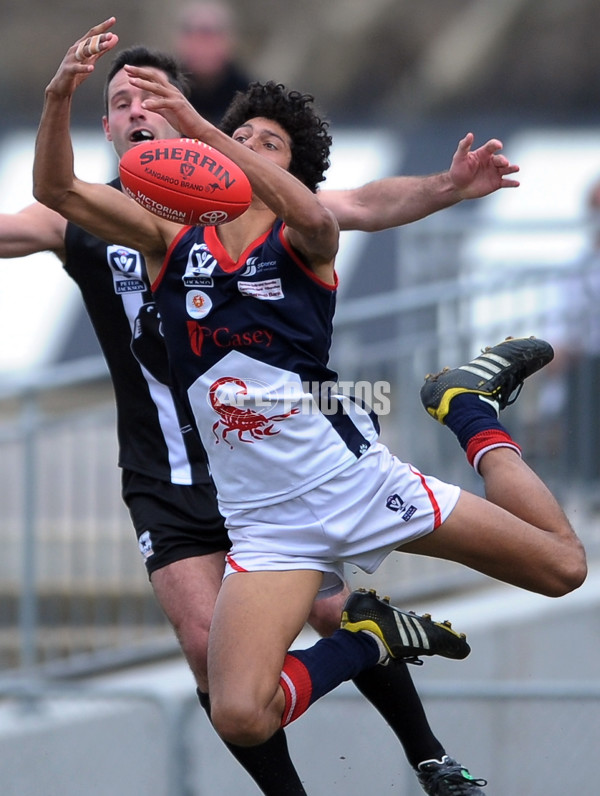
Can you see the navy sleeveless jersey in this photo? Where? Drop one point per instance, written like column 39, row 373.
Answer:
column 249, row 344
column 154, row 432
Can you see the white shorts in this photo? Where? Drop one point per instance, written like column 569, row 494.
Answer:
column 358, row 517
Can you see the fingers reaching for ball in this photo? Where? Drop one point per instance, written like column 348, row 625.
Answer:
column 89, row 47
column 95, row 42
column 80, row 59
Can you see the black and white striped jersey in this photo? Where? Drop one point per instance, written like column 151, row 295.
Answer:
column 154, row 433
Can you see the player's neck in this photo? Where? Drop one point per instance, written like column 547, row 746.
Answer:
column 237, row 235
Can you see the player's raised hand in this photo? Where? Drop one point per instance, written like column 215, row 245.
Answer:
column 482, row 171
column 81, row 57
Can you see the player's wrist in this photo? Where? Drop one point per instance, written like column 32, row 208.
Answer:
column 444, row 189
column 55, row 92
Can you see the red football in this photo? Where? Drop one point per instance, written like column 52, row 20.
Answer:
column 185, row 181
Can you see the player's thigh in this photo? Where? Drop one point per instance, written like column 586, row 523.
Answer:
column 187, row 589
column 485, row 537
column 258, row 616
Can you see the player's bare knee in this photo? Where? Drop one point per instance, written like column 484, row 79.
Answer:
column 195, row 651
column 575, row 569
column 325, row 623
column 326, row 614
column 192, row 634
column 570, row 571
column 240, row 726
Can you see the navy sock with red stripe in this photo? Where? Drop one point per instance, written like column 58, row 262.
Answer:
column 475, row 423
column 309, row 674
column 468, row 415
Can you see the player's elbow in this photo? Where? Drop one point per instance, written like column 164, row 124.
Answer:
column 320, row 222
column 46, row 194
column 319, row 227
column 49, row 189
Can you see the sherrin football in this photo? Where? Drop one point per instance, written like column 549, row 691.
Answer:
column 185, row 181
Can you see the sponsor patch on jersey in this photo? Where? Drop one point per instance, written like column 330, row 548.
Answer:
column 199, row 267
column 223, row 337
column 198, row 304
column 254, row 265
column 395, row 503
column 126, row 267
column 266, row 290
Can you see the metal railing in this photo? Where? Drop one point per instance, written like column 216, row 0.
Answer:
column 71, row 578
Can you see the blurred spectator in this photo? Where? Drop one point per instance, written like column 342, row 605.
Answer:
column 593, row 210
column 576, row 367
column 583, row 297
column 584, row 371
column 582, row 290
column 205, row 43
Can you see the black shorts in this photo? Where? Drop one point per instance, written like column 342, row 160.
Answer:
column 173, row 522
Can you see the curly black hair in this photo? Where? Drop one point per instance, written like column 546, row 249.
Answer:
column 138, row 55
column 296, row 114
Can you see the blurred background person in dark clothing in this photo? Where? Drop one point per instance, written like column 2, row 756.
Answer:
column 205, row 44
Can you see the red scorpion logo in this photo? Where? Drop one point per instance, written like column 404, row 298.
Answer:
column 241, row 420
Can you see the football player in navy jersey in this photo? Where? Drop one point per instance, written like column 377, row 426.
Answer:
column 186, row 562
column 316, row 492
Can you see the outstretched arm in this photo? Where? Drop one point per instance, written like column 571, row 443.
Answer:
column 98, row 208
column 394, row 201
column 34, row 229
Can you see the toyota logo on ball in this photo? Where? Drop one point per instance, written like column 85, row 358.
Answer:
column 213, row 217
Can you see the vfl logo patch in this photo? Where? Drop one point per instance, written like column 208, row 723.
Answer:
column 395, row 503
column 126, row 268
column 199, row 267
column 124, row 260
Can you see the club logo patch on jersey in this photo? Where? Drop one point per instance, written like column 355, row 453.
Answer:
column 226, row 396
column 395, row 503
column 198, row 304
column 199, row 267
column 126, row 267
column 147, row 343
column 145, row 545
